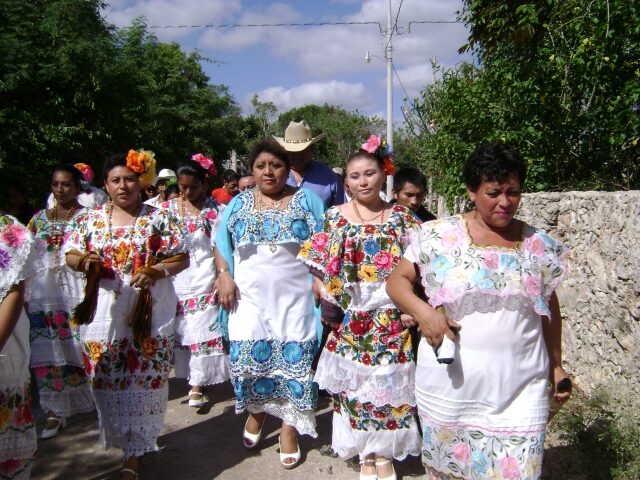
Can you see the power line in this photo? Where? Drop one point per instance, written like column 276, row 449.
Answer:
column 395, row 25
column 305, row 24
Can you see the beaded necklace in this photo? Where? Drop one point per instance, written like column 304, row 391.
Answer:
column 275, row 205
column 109, row 240
column 182, row 209
column 57, row 236
column 362, row 220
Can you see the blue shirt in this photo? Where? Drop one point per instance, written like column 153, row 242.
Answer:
column 322, row 181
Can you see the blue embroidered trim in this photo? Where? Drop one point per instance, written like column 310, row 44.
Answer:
column 250, row 227
column 262, row 357
column 260, row 390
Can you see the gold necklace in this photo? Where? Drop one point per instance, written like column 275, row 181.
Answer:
column 57, row 236
column 109, row 240
column 363, row 220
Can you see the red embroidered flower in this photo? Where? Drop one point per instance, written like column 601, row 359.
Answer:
column 133, row 362
column 331, row 345
column 366, row 359
column 402, row 357
column 156, row 383
column 392, row 424
column 358, row 327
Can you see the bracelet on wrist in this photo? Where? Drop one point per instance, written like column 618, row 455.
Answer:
column 222, row 270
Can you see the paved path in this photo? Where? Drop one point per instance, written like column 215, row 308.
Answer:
column 198, row 444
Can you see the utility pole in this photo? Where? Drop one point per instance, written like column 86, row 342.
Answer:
column 389, row 58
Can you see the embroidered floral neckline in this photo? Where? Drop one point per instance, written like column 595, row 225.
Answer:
column 515, row 248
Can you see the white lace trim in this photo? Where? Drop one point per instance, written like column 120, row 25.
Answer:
column 131, row 420
column 303, row 422
column 67, row 403
column 483, row 303
column 26, row 263
column 201, row 371
column 397, row 444
column 16, row 445
column 55, row 353
column 381, row 385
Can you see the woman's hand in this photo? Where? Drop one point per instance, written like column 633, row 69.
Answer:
column 557, row 375
column 141, row 280
column 90, row 260
column 228, row 293
column 434, row 325
column 407, row 321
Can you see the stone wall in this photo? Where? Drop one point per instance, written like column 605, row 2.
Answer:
column 600, row 296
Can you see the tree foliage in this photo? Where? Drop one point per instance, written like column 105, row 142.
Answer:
column 74, row 87
column 345, row 131
column 559, row 79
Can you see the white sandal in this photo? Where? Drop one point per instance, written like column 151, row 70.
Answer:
column 382, row 462
column 199, row 402
column 129, row 470
column 52, row 432
column 251, row 440
column 371, row 462
column 287, row 456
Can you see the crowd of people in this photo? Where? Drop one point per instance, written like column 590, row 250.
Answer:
column 433, row 337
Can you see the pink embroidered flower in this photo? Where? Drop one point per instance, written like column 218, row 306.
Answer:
column 333, row 267
column 532, row 284
column 63, row 333
column 12, row 235
column 191, row 303
column 58, row 384
column 59, row 318
column 211, row 215
column 395, row 327
column 382, row 260
column 510, row 468
column 536, row 246
column 450, row 239
column 319, row 241
column 372, row 144
column 40, row 372
column 133, row 362
column 492, row 260
column 461, row 452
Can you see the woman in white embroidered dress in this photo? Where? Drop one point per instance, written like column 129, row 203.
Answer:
column 492, row 279
column 130, row 248
column 367, row 361
column 272, row 328
column 200, row 357
column 56, row 353
column 17, row 427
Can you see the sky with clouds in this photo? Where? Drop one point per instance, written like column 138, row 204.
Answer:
column 296, row 65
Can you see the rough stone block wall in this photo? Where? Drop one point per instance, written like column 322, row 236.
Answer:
column 600, row 296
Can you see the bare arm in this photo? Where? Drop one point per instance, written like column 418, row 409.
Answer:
column 552, row 332
column 434, row 325
column 228, row 293
column 10, row 310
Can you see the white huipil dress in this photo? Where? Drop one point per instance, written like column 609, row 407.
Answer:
column 18, row 263
column 56, row 351
column 272, row 332
column 129, row 380
column 484, row 415
column 199, row 356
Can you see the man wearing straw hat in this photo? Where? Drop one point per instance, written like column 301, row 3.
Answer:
column 307, row 172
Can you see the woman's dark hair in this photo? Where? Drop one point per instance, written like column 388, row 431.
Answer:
column 171, row 188
column 76, row 176
column 192, row 168
column 363, row 154
column 410, row 175
column 268, row 145
column 493, row 162
column 230, row 175
column 113, row 161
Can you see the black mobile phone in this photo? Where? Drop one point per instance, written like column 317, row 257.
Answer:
column 564, row 385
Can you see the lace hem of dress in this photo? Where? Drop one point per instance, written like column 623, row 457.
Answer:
column 389, row 385
column 65, row 404
column 16, row 444
column 397, row 444
column 131, row 420
column 16, row 468
column 303, row 422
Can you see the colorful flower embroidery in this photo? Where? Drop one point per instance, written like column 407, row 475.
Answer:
column 368, row 417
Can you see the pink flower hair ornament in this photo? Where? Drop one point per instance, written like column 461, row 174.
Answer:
column 86, row 171
column 381, row 149
column 205, row 162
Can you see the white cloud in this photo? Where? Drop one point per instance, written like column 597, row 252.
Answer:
column 168, row 12
column 350, row 96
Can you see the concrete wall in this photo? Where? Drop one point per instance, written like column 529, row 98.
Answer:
column 600, row 296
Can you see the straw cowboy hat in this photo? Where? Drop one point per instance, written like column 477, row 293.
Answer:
column 297, row 137
column 165, row 174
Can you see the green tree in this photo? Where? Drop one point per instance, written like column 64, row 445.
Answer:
column 559, row 79
column 345, row 131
